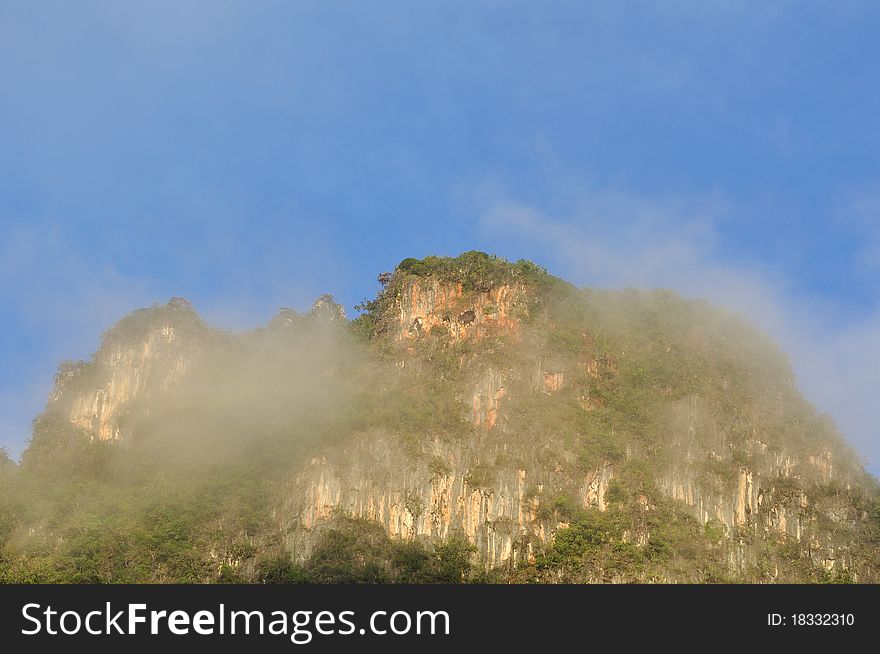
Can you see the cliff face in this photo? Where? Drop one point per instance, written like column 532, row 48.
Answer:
column 455, row 488
column 131, row 369
column 147, row 353
column 469, row 488
column 749, row 491
column 444, row 308
column 452, row 487
column 151, row 352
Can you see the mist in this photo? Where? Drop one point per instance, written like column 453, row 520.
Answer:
column 615, row 240
column 205, row 435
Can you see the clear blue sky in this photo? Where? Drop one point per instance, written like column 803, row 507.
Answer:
column 251, row 155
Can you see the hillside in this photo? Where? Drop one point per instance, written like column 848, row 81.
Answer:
column 480, row 420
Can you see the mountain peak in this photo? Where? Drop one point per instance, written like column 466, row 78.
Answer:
column 326, row 308
column 467, row 297
column 474, row 270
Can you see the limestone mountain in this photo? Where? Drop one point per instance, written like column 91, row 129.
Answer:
column 479, row 420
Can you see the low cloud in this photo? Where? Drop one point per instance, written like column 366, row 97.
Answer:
column 614, row 240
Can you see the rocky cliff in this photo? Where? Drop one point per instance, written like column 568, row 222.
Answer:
column 486, row 399
column 147, row 352
column 442, row 308
column 499, row 489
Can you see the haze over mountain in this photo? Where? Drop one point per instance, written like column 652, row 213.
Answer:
column 479, row 420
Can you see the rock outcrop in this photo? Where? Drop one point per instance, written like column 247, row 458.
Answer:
column 442, row 308
column 446, row 492
column 147, row 352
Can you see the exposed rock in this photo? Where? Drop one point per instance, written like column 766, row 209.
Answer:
column 595, row 486
column 553, row 381
column 428, row 303
column 486, row 400
column 147, row 352
column 285, row 318
column 327, row 308
column 376, row 480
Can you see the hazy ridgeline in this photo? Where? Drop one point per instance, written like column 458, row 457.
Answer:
column 186, row 496
column 479, row 421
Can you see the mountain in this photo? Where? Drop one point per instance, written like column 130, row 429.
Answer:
column 480, row 420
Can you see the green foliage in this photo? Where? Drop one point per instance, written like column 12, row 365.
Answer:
column 714, row 530
column 480, row 476
column 600, row 445
column 626, row 543
column 617, row 493
column 475, row 270
column 352, row 551
column 358, row 551
column 581, row 541
column 438, row 466
column 452, row 560
column 566, row 508
column 137, row 325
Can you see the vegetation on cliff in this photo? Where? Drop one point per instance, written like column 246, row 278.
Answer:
column 497, row 422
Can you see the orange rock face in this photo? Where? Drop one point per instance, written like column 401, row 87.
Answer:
column 431, row 306
column 132, row 369
column 599, row 366
column 553, row 381
column 486, row 401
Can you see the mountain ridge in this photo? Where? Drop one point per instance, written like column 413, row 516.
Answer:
column 555, row 433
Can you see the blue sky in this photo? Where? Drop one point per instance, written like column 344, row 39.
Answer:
column 251, row 155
